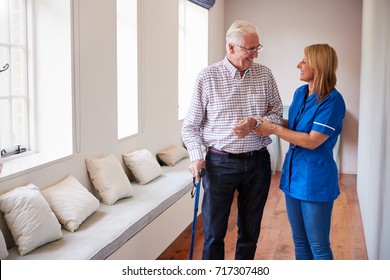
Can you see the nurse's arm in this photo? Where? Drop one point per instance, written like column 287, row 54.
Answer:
column 306, row 140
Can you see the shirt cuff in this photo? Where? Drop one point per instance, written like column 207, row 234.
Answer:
column 196, row 154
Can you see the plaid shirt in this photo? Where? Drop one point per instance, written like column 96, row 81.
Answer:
column 221, row 100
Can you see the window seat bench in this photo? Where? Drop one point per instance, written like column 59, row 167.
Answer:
column 139, row 227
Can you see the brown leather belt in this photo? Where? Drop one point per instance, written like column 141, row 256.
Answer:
column 240, row 155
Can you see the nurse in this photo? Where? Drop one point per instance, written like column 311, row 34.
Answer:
column 309, row 176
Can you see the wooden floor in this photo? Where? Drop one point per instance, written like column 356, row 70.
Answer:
column 275, row 242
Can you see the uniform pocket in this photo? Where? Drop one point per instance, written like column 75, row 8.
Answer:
column 312, row 177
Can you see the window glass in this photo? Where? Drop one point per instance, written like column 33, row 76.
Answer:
column 13, row 78
column 127, row 68
column 193, row 50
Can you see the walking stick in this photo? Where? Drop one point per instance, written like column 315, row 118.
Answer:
column 196, row 202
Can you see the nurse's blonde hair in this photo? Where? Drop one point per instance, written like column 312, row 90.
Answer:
column 323, row 59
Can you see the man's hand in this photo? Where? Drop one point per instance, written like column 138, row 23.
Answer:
column 195, row 168
column 244, row 127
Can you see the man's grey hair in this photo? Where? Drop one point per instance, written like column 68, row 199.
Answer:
column 236, row 32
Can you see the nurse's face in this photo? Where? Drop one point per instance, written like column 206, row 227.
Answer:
column 307, row 73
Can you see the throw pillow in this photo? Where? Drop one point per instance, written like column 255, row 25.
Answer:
column 3, row 247
column 143, row 165
column 71, row 202
column 172, row 155
column 109, row 179
column 28, row 215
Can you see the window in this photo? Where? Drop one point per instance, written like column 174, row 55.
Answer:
column 36, row 90
column 13, row 78
column 51, row 83
column 193, row 50
column 127, row 68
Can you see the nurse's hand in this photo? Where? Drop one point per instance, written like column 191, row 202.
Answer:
column 266, row 128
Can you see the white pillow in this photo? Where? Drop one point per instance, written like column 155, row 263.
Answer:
column 143, row 165
column 109, row 179
column 172, row 155
column 28, row 215
column 3, row 247
column 71, row 202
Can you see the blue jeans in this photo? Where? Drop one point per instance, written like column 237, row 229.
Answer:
column 310, row 225
column 224, row 175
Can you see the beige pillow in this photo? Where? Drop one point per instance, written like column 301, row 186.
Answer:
column 109, row 179
column 143, row 165
column 28, row 215
column 172, row 155
column 3, row 247
column 71, row 202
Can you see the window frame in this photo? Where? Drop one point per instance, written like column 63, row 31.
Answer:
column 52, row 27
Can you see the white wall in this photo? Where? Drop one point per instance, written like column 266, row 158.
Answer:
column 374, row 133
column 286, row 27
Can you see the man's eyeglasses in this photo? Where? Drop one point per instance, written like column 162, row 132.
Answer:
column 252, row 50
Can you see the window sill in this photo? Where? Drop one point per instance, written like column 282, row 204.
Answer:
column 18, row 166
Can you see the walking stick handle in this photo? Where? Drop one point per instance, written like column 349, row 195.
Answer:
column 202, row 172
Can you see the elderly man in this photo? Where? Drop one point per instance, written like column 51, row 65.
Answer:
column 229, row 98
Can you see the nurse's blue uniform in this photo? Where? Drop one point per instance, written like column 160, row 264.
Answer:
column 312, row 175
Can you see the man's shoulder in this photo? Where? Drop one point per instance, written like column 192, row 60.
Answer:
column 216, row 65
column 213, row 68
column 260, row 68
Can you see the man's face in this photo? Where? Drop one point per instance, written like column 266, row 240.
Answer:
column 239, row 55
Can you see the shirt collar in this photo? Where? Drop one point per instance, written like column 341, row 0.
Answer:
column 312, row 98
column 232, row 69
